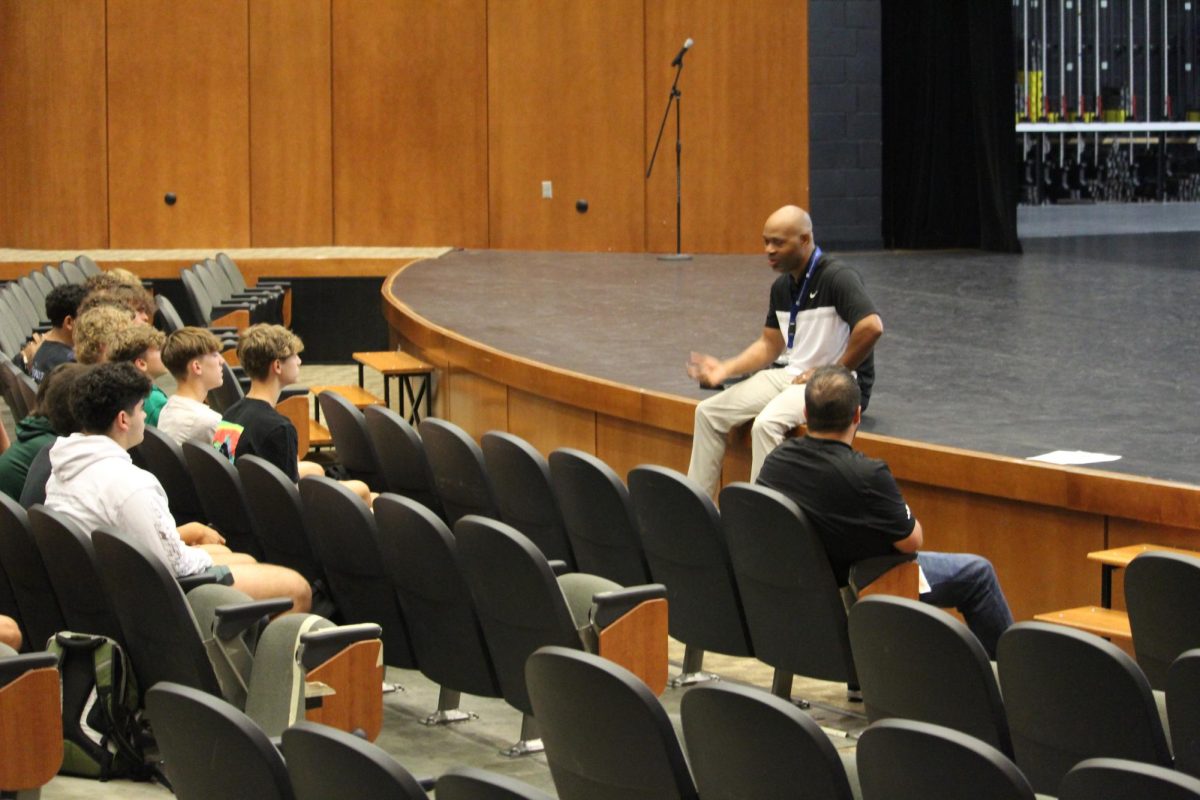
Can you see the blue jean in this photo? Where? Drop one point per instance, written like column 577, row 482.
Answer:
column 968, row 583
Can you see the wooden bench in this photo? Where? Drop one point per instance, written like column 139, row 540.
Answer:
column 394, row 364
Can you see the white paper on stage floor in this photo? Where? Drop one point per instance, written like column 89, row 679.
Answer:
column 1074, row 457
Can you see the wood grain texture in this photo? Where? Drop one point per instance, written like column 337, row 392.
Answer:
column 355, row 675
column 744, row 119
column 178, row 116
column 623, row 445
column 31, row 729
column 291, row 123
column 565, row 104
column 410, row 122
column 638, row 642
column 548, row 424
column 53, row 140
column 476, row 404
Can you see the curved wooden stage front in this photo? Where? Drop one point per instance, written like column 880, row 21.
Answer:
column 1036, row 522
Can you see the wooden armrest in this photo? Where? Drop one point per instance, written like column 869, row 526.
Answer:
column 356, row 676
column 238, row 319
column 296, row 409
column 638, row 642
column 30, row 730
column 901, row 580
column 1121, row 556
column 1106, row 622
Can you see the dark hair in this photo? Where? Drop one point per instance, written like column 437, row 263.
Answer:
column 63, row 302
column 830, row 399
column 55, row 404
column 103, row 392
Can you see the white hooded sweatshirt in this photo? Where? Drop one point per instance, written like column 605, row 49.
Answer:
column 94, row 483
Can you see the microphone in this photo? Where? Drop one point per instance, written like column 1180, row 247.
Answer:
column 682, row 51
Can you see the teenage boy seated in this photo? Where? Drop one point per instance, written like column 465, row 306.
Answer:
column 58, row 345
column 95, row 330
column 94, row 483
column 193, row 357
column 36, row 431
column 270, row 355
column 141, row 345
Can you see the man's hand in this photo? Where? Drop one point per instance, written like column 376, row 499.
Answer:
column 194, row 533
column 804, row 377
column 706, row 369
column 31, row 348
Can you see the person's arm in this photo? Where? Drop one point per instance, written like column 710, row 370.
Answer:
column 194, row 533
column 911, row 543
column 5, row 442
column 145, row 516
column 711, row 371
column 863, row 337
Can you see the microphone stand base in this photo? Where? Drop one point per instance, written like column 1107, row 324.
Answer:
column 675, row 257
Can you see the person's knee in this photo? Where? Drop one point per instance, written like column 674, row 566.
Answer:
column 769, row 429
column 301, row 593
column 10, row 633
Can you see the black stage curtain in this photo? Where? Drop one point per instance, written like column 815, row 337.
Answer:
column 949, row 151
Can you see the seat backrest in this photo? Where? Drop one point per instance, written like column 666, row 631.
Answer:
column 222, row 499
column 70, row 563
column 402, row 458
column 34, row 290
column 420, row 555
column 43, row 282
column 900, row 759
column 210, row 749
column 328, row 764
column 686, row 550
column 161, row 635
column 217, row 291
column 795, row 610
column 87, row 265
column 217, row 279
column 171, row 321
column 198, row 297
column 1120, row 779
column 458, row 471
column 1183, row 711
column 520, row 478
column 229, row 392
column 520, row 604
column 28, row 390
column 917, row 662
column 605, row 732
column 468, row 783
column 1162, row 594
column 22, row 306
column 599, row 518
column 277, row 517
column 163, row 456
column 1071, row 695
column 40, row 616
column 744, row 742
column 355, row 451
column 231, row 272
column 54, row 275
column 347, row 544
column 72, row 272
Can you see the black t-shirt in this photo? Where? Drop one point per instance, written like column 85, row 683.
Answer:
column 851, row 500
column 835, row 288
column 253, row 427
column 49, row 356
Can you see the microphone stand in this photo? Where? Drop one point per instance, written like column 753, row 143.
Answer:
column 673, row 98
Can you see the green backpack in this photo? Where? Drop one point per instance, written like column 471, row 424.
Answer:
column 111, row 742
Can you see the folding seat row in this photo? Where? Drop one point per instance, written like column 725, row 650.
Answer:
column 218, row 295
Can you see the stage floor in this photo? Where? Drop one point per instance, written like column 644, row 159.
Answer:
column 1085, row 343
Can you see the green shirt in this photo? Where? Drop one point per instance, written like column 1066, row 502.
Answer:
column 33, row 433
column 153, row 405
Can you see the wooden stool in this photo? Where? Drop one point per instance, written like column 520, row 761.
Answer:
column 394, row 364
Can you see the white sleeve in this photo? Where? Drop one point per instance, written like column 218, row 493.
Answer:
column 145, row 517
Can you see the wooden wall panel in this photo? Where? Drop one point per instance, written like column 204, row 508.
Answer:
column 410, row 122
column 53, row 169
column 745, row 119
column 623, row 445
column 1040, row 553
column 178, row 121
column 548, row 424
column 474, row 403
column 565, row 104
column 291, row 123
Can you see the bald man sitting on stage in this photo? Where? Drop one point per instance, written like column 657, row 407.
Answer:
column 819, row 314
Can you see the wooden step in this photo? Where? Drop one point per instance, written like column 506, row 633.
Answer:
column 1106, row 622
column 356, row 396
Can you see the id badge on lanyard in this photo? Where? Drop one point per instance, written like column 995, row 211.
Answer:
column 812, row 267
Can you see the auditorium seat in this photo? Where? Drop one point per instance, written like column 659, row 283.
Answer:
column 468, row 783
column 1071, row 695
column 420, row 555
column 901, row 759
column 744, row 742
column 222, row 498
column 162, row 455
column 1183, row 711
column 607, row 736
column 917, row 662
column 458, row 470
column 520, row 478
column 327, row 764
column 599, row 517
column 686, row 550
column 402, row 457
column 1121, row 779
column 40, row 617
column 355, row 451
column 1162, row 594
column 206, row 312
column 523, row 606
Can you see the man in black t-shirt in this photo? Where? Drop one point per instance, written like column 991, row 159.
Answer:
column 58, row 346
column 856, row 508
column 819, row 314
